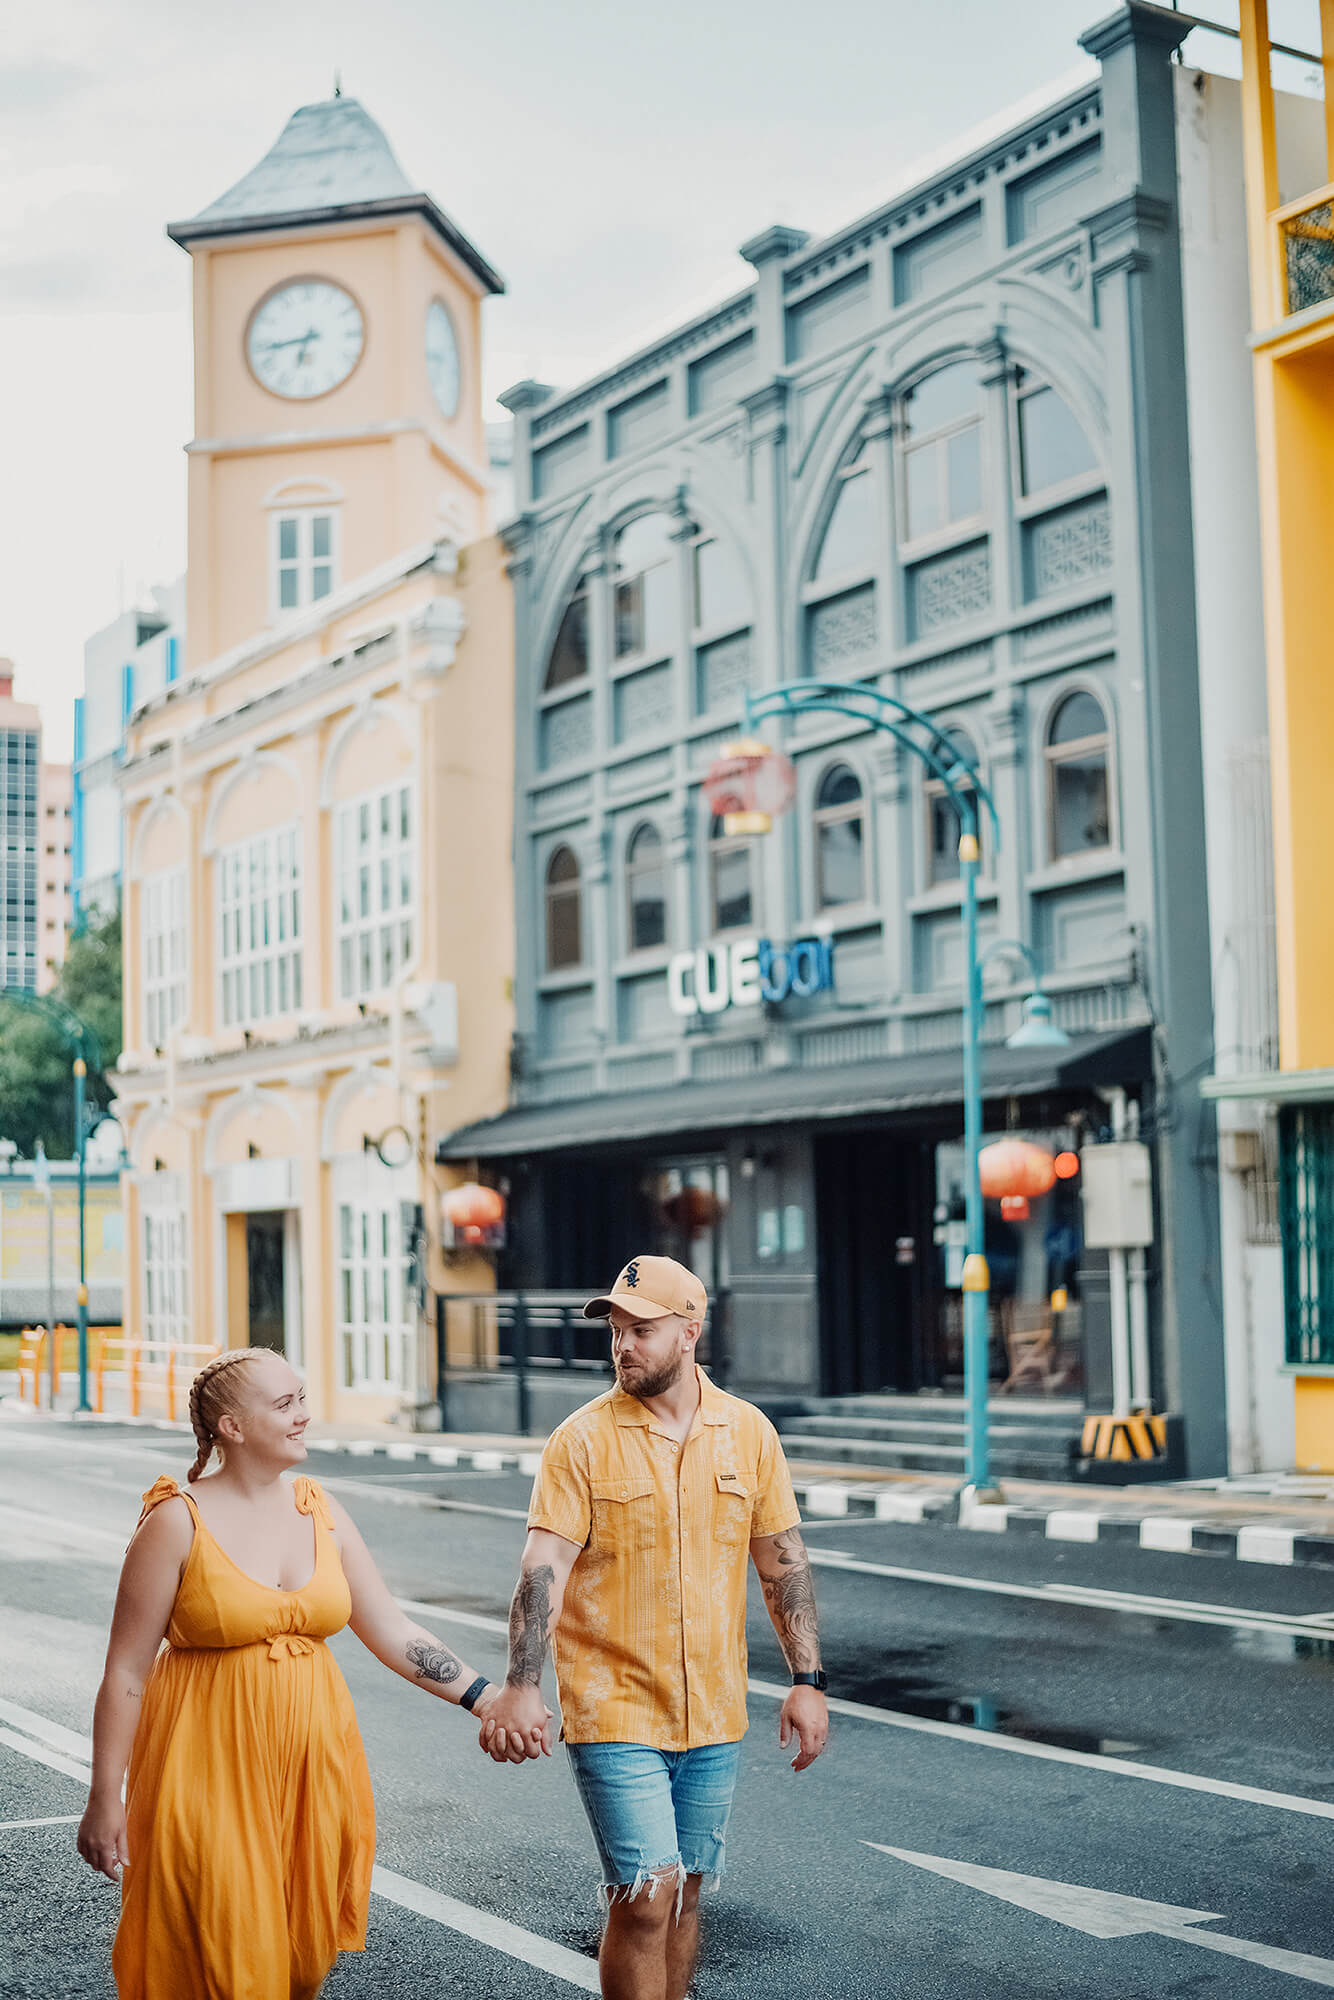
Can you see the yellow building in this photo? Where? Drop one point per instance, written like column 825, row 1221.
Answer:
column 1291, row 238
column 317, row 814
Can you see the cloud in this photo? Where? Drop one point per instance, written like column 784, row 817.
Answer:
column 36, row 89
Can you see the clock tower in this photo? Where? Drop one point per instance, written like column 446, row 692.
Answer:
column 338, row 407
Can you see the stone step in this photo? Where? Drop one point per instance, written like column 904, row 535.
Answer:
column 1064, row 1416
column 1007, row 1460
column 902, row 1431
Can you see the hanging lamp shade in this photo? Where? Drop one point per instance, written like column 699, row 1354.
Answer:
column 472, row 1211
column 1011, row 1167
column 749, row 785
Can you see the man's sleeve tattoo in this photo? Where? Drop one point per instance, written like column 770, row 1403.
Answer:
column 433, row 1663
column 530, row 1616
column 790, row 1596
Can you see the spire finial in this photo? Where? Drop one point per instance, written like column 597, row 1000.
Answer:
column 338, row 83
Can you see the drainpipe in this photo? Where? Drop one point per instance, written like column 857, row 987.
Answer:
column 1141, row 1387
column 1119, row 1290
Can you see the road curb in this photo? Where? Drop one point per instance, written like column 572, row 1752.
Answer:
column 826, row 1499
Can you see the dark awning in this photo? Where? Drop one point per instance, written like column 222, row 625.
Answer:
column 779, row 1096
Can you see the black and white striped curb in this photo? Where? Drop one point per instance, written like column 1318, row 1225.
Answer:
column 826, row 1499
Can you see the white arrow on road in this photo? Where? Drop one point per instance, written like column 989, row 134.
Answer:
column 1101, row 1914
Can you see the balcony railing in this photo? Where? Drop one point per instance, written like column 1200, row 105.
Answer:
column 1306, row 238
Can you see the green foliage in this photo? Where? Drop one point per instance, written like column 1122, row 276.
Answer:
column 36, row 1073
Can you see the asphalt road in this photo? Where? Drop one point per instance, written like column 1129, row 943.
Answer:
column 1168, row 1741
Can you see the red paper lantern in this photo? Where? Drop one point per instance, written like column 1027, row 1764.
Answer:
column 1015, row 1167
column 473, row 1209
column 748, row 785
column 1015, row 1208
column 694, row 1209
column 1066, row 1165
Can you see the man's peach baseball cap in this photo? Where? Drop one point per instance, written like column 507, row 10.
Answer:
column 650, row 1287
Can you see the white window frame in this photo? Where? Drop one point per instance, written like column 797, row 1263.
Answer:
column 259, row 937
column 360, row 934
column 165, row 1243
column 305, row 563
column 374, row 1319
column 163, row 955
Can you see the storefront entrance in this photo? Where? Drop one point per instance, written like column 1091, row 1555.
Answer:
column 873, row 1196
column 265, row 1280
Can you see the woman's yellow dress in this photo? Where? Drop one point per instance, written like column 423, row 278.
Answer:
column 251, row 1826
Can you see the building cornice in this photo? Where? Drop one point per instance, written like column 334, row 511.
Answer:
column 387, row 209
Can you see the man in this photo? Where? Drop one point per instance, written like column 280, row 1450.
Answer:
column 644, row 1506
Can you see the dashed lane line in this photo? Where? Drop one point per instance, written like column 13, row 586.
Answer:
column 50, row 1819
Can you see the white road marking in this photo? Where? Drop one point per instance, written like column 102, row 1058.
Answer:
column 387, row 1489
column 1167, row 1531
column 37, row 1753
column 1265, row 1545
column 1069, row 1524
column 1132, row 1603
column 1052, row 1753
column 52, row 1819
column 27, row 1719
column 485, row 1929
column 473, row 1618
column 1099, row 1913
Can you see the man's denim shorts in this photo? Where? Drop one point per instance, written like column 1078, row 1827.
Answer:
column 652, row 1811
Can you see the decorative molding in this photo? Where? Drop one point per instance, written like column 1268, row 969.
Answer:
column 362, row 1080
column 250, row 1097
column 439, row 626
column 368, row 713
column 244, row 771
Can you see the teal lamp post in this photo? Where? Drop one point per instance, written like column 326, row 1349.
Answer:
column 78, row 1036
column 963, row 786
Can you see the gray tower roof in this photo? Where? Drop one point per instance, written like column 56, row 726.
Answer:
column 330, row 162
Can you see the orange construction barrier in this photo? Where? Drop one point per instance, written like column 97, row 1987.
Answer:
column 168, row 1366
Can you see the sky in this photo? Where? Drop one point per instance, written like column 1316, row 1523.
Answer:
column 606, row 156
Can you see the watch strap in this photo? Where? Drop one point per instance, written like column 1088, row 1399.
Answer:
column 819, row 1679
column 469, row 1696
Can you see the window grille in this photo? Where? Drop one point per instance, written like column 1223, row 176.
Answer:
column 259, row 909
column 374, row 1321
column 375, row 853
column 162, row 915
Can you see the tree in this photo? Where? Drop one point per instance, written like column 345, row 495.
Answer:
column 36, row 1064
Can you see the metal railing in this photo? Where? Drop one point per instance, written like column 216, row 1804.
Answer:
column 152, row 1367
column 1306, row 239
column 520, row 1336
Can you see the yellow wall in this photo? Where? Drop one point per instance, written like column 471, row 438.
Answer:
column 1314, row 1408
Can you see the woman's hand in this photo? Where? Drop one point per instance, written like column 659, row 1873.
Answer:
column 102, row 1839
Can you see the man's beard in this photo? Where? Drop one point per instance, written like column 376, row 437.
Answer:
column 643, row 1385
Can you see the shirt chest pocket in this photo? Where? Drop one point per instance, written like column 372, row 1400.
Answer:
column 624, row 1516
column 733, row 1507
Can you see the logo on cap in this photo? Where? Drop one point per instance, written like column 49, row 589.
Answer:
column 630, row 1275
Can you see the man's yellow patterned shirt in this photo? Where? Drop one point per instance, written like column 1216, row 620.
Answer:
column 651, row 1645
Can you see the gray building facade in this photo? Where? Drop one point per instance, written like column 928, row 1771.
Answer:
column 942, row 452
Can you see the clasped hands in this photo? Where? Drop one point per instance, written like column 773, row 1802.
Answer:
column 516, row 1724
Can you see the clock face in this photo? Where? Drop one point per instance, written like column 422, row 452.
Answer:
column 442, row 357
column 305, row 338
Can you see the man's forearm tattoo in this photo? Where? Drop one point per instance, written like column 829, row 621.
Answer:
column 530, row 1616
column 790, row 1596
column 433, row 1663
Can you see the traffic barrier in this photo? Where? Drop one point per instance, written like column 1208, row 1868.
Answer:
column 133, row 1360
column 1125, row 1451
column 35, row 1361
column 1139, row 1435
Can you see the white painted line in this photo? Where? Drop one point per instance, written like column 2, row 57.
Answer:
column 402, row 1451
column 530, row 1464
column 1262, row 1544
column 360, row 1447
column 1132, row 1603
column 829, row 1499
column 69, row 1740
column 483, row 1928
column 1068, row 1524
column 899, row 1506
column 396, row 1496
column 52, row 1819
column 37, row 1753
column 1166, row 1531
column 488, row 1461
column 473, row 1618
column 442, row 1454
column 1051, row 1753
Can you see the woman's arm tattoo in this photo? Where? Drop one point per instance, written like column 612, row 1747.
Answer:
column 789, row 1592
column 530, row 1617
column 433, row 1663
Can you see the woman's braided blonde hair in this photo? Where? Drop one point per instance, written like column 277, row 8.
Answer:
column 217, row 1387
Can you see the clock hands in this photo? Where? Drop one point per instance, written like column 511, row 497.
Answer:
column 301, row 340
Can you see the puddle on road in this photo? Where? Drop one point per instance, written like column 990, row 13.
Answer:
column 909, row 1694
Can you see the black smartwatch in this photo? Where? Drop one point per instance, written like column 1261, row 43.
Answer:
column 468, row 1699
column 818, row 1680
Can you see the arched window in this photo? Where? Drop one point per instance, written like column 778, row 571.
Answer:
column 1079, row 794
column 569, row 655
column 840, row 839
column 645, row 611
column 721, row 600
column 942, row 451
column 565, row 943
column 1052, row 445
column 942, row 821
column 646, row 886
column 731, row 900
column 848, row 547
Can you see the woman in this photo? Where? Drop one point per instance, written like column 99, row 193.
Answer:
column 248, row 1829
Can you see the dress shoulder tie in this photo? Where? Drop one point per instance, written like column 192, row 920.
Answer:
column 165, row 1488
column 310, row 1498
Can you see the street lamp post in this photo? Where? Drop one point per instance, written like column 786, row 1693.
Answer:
column 963, row 786
column 78, row 1036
